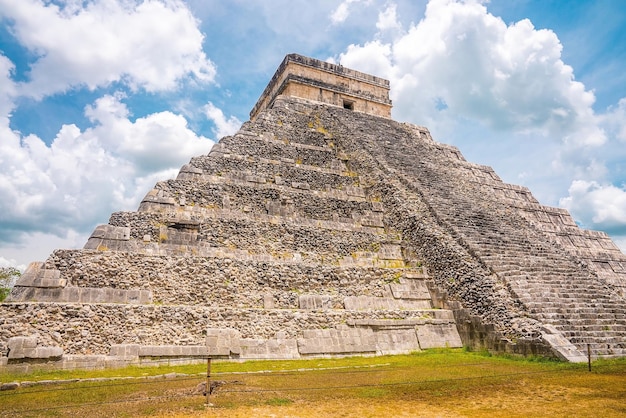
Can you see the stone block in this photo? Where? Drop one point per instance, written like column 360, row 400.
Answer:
column 273, row 208
column 256, row 179
column 300, row 185
column 366, row 303
column 372, row 219
column 110, row 232
column 38, row 276
column 377, row 207
column 72, row 294
column 378, row 324
column 172, row 351
column 145, row 297
column 337, row 165
column 48, row 352
column 134, row 296
column 390, row 252
column 92, row 244
column 277, row 348
column 438, row 336
column 9, row 386
column 189, row 169
column 223, row 341
column 124, row 350
column 268, row 301
column 314, row 301
column 71, row 362
column 416, row 274
column 30, row 274
column 310, row 333
column 98, row 295
column 26, row 348
column 410, row 289
column 337, row 341
column 355, row 191
column 561, row 346
column 444, row 314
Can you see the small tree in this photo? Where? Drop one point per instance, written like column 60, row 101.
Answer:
column 8, row 277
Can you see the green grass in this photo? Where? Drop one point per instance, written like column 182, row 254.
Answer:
column 447, row 382
column 279, row 401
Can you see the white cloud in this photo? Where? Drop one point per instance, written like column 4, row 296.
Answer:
column 374, row 57
column 388, row 19
column 597, row 205
column 37, row 246
column 81, row 177
column 615, row 119
column 462, row 62
column 150, row 44
column 9, row 262
column 8, row 89
column 223, row 126
column 152, row 143
column 342, row 12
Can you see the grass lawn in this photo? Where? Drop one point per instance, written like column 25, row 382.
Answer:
column 430, row 383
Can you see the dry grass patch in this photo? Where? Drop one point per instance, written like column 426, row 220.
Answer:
column 432, row 383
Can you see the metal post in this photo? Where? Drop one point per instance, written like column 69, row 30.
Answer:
column 589, row 356
column 208, row 380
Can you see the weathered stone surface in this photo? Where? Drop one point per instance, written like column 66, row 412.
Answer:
column 342, row 340
column 438, row 335
column 397, row 341
column 318, row 230
column 9, row 386
column 83, row 295
column 223, row 342
column 271, row 348
column 38, row 276
column 26, row 348
column 173, row 351
column 329, row 83
column 360, row 303
column 314, row 301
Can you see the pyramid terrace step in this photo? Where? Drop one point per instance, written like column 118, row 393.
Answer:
column 248, row 137
column 155, row 228
column 169, row 325
column 217, row 280
column 313, row 136
column 279, row 150
column 260, row 234
column 318, row 178
column 272, row 199
column 246, row 180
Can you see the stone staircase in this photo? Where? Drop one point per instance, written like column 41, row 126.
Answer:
column 551, row 284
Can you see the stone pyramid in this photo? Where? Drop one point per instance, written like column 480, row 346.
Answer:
column 322, row 227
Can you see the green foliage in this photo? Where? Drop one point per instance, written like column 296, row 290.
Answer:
column 8, row 277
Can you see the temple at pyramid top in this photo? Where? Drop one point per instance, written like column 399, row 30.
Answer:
column 315, row 80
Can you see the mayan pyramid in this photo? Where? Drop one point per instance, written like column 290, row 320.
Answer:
column 323, row 227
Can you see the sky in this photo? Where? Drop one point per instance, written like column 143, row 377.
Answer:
column 100, row 99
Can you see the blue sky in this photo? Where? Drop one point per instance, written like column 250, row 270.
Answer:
column 99, row 99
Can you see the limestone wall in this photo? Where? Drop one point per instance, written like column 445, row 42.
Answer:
column 222, row 281
column 311, row 79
